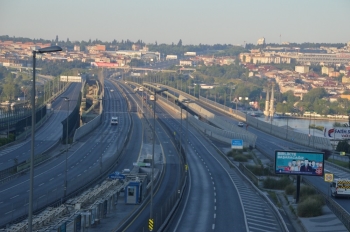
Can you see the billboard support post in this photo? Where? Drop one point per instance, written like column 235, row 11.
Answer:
column 298, row 190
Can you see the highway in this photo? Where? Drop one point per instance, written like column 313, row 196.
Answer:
column 46, row 136
column 83, row 161
column 217, row 197
column 268, row 144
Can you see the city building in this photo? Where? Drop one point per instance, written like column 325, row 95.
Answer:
column 302, row 69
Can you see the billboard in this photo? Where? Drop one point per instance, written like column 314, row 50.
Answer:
column 337, row 133
column 299, row 163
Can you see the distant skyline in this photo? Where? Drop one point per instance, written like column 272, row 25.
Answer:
column 194, row 22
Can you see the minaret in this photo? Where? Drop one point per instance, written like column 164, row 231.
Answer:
column 267, row 102
column 272, row 109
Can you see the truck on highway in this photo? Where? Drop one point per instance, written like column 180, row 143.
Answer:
column 340, row 188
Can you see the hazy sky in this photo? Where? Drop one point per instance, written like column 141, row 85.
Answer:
column 193, row 21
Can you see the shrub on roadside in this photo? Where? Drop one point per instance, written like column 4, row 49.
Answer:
column 281, row 183
column 290, row 189
column 310, row 207
column 240, row 158
column 258, row 170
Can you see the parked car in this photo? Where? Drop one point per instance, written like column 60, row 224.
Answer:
column 240, row 124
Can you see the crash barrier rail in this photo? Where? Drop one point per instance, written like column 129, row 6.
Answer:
column 249, row 174
column 78, row 184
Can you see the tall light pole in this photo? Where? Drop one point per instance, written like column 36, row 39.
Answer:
column 154, row 139
column 31, row 175
column 186, row 101
column 66, row 168
column 102, row 117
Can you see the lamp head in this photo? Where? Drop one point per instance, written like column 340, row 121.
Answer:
column 49, row 49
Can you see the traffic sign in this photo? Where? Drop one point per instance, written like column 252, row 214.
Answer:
column 237, row 144
column 116, row 175
column 150, row 224
column 328, row 177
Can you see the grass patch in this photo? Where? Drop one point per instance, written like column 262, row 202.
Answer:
column 313, row 126
column 258, row 170
column 339, row 162
column 281, row 183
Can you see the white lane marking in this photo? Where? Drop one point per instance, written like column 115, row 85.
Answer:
column 41, row 184
column 14, row 196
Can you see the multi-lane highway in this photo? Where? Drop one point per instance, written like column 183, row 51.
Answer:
column 83, row 162
column 217, row 197
column 45, row 136
column 268, row 144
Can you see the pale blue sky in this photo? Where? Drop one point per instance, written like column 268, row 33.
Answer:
column 193, row 21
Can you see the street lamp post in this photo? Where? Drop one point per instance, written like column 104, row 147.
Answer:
column 102, row 116
column 154, row 139
column 186, row 101
column 66, row 168
column 31, row 175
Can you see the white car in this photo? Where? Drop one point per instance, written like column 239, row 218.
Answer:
column 240, row 124
column 114, row 121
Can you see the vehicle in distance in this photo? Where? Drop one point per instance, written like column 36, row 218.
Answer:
column 340, row 188
column 151, row 97
column 114, row 121
column 112, row 90
column 240, row 124
column 140, row 89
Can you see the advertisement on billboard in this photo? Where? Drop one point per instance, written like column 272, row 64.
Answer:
column 337, row 133
column 299, row 163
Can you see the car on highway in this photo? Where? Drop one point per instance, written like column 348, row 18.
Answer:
column 240, row 124
column 114, row 121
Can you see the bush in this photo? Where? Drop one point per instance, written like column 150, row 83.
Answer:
column 307, row 191
column 258, row 170
column 240, row 158
column 281, row 183
column 290, row 189
column 310, row 207
column 249, row 156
